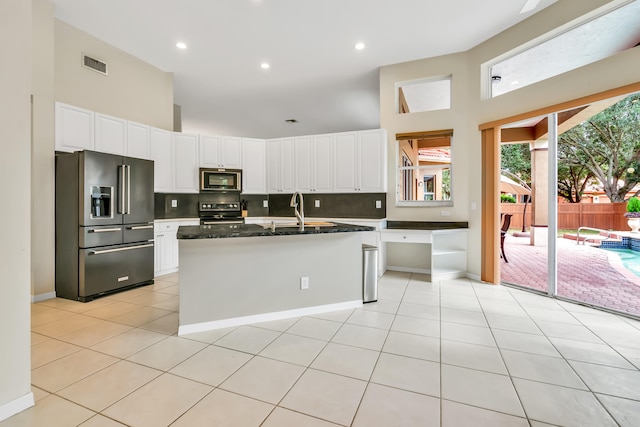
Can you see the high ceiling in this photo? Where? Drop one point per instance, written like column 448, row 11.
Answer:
column 316, row 76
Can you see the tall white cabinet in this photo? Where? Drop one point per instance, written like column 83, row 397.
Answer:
column 74, row 128
column 254, row 174
column 280, row 177
column 161, row 153
column 185, row 163
column 314, row 163
column 360, row 161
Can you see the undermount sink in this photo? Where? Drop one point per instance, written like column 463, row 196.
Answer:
column 295, row 224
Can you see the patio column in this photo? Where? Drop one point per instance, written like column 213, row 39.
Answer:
column 539, row 192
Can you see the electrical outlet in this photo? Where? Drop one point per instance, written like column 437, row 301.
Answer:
column 378, row 204
column 444, row 213
column 304, row 282
column 174, row 203
column 317, row 203
column 474, row 206
column 265, row 203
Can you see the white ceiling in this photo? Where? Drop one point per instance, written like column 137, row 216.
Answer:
column 316, row 75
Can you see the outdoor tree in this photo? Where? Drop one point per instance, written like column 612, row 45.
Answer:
column 516, row 158
column 608, row 146
column 572, row 179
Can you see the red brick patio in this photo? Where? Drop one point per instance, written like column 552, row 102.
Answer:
column 585, row 273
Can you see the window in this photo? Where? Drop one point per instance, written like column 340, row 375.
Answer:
column 424, row 169
column 423, row 95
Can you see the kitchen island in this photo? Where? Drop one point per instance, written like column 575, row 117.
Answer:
column 248, row 273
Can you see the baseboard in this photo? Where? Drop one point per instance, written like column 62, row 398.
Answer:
column 475, row 277
column 43, row 297
column 409, row 269
column 266, row 317
column 18, row 405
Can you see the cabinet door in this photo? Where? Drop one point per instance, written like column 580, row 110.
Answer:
column 162, row 156
column 323, row 163
column 273, row 166
column 303, row 162
column 157, row 252
column 345, row 156
column 231, row 152
column 185, row 157
column 372, row 161
column 74, row 128
column 138, row 141
column 210, row 152
column 287, row 183
column 111, row 134
column 254, row 178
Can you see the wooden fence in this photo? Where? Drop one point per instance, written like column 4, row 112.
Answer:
column 606, row 216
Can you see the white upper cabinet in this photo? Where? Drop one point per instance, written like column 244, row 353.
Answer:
column 360, row 161
column 280, row 165
column 111, row 134
column 138, row 141
column 185, row 161
column 162, row 156
column 314, row 163
column 74, row 128
column 221, row 152
column 254, row 175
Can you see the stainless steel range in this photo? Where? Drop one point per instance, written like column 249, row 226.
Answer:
column 220, row 208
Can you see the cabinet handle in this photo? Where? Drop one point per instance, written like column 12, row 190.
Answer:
column 104, row 230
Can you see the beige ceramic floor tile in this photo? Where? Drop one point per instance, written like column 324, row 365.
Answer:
column 372, row 319
column 467, row 333
column 141, row 316
column 386, row 406
column 149, row 298
column 52, row 411
column 319, row 329
column 590, row 352
column 541, row 368
column 209, row 337
column 263, row 379
column 97, row 333
column 224, row 409
column 50, row 350
column 345, row 360
column 38, row 339
column 281, row 417
column 472, row 356
column 38, row 393
column 100, row 421
column 212, row 365
column 331, row 397
column 609, row 380
column 167, row 353
column 431, row 312
column 170, row 304
column 336, row 316
column 294, row 349
column 248, row 339
column 167, row 325
column 360, row 336
column 411, row 345
column 66, row 325
column 41, row 315
column 277, row 325
column 482, row 389
column 158, row 403
column 63, row 372
column 412, row 325
column 420, row 376
column 382, row 306
column 456, row 414
column 626, row 412
column 112, row 310
column 109, row 385
column 128, row 343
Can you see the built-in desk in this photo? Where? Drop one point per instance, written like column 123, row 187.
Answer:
column 447, row 257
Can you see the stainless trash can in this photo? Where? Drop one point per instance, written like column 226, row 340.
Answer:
column 369, row 273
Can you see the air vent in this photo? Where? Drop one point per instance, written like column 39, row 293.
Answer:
column 94, row 64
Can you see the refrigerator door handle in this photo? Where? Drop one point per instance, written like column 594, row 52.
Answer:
column 140, row 227
column 128, row 248
column 122, row 189
column 128, row 189
column 103, row 230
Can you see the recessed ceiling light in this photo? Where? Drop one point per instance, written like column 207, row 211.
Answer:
column 515, row 82
column 265, row 65
column 291, row 121
column 496, row 79
column 181, row 45
column 359, row 46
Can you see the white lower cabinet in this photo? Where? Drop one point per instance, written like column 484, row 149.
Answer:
column 166, row 245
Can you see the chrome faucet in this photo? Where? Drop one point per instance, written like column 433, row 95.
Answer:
column 297, row 200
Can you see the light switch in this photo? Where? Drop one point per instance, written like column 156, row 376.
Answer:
column 265, row 203
column 378, row 204
column 317, row 203
column 474, row 206
column 174, row 203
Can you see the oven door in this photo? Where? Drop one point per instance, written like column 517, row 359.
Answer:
column 221, row 221
column 220, row 180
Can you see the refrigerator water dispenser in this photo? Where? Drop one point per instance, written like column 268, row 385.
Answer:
column 101, row 202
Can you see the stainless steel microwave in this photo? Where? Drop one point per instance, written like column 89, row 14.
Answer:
column 212, row 180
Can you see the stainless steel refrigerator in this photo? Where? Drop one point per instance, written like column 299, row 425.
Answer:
column 104, row 224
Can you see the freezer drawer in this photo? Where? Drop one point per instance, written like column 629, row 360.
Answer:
column 138, row 232
column 99, row 235
column 105, row 269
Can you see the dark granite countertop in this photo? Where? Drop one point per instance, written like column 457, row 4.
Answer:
column 426, row 225
column 254, row 230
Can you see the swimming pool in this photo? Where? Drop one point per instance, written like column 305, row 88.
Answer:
column 630, row 259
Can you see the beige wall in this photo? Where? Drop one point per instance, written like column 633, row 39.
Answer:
column 469, row 110
column 15, row 182
column 42, row 154
column 133, row 89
